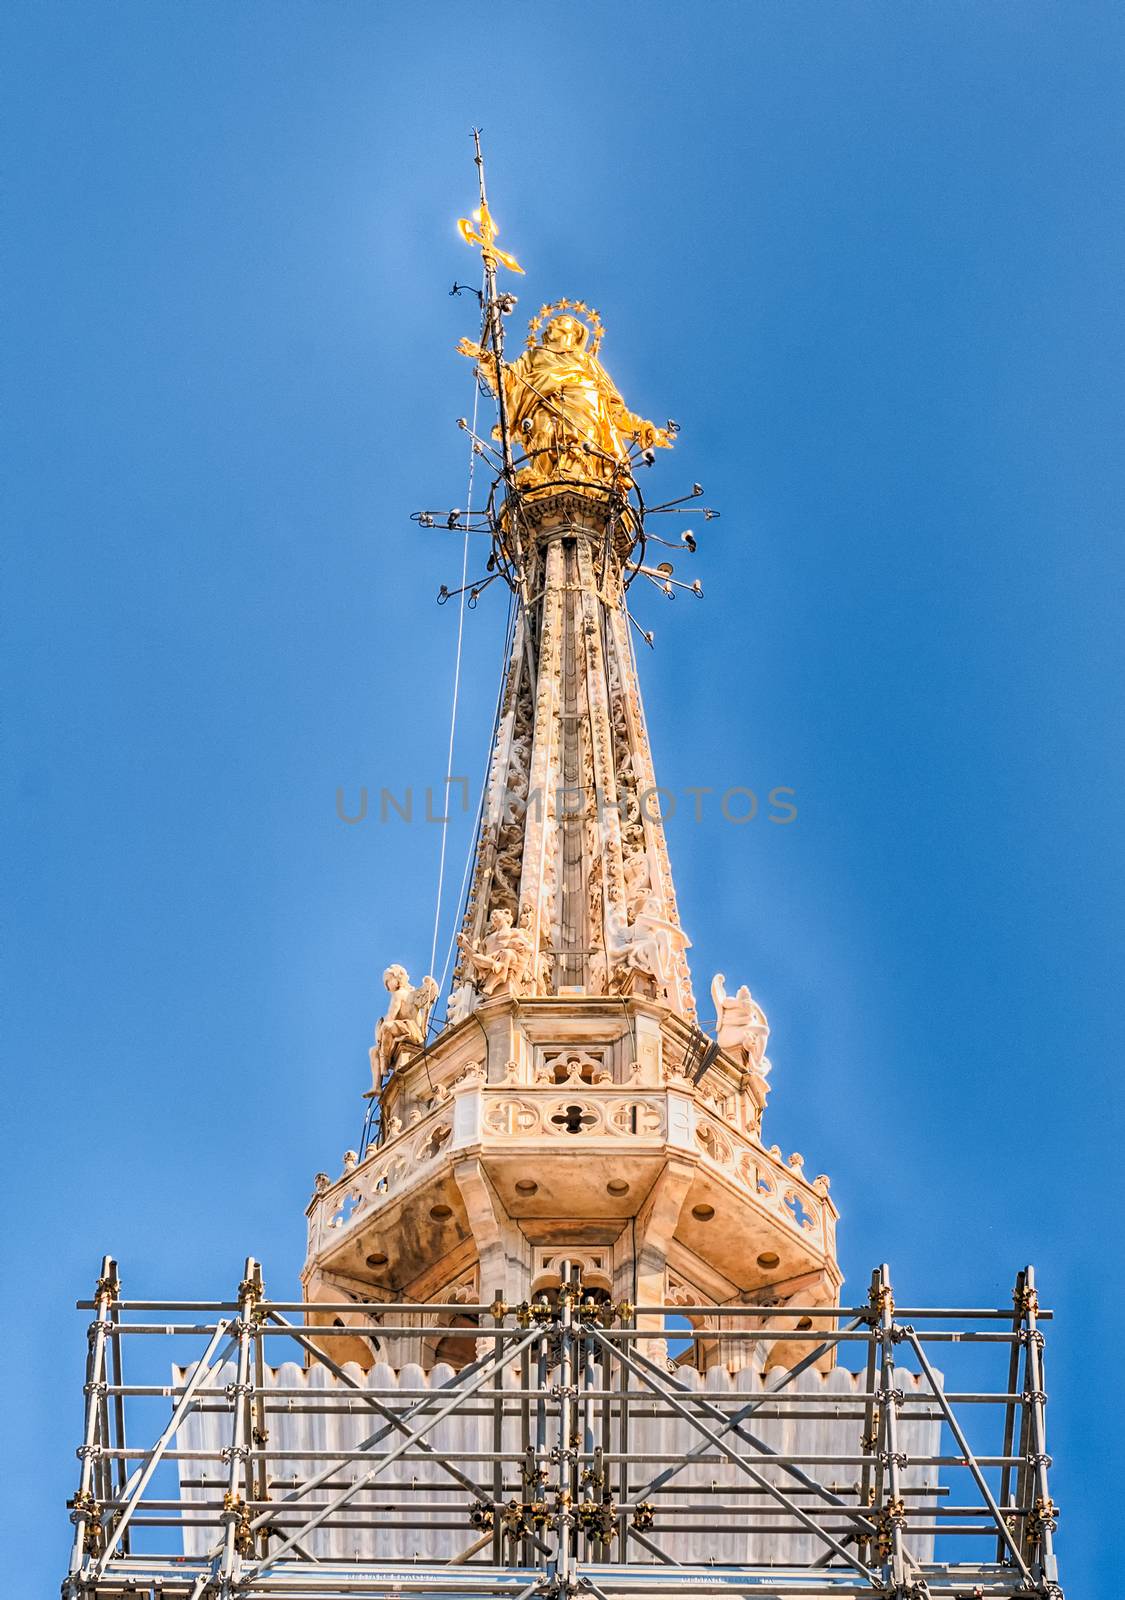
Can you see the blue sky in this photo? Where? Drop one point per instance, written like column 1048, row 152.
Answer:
column 869, row 255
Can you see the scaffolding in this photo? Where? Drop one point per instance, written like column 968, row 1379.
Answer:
column 563, row 1492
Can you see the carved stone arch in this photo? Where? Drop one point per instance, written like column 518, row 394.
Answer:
column 700, row 1353
column 574, row 1066
column 596, row 1270
column 713, row 1143
column 430, row 1142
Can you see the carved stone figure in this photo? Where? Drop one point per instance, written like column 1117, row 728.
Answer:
column 564, row 408
column 509, row 860
column 740, row 1025
column 502, row 963
column 543, row 964
column 404, row 1022
column 635, row 865
column 634, row 947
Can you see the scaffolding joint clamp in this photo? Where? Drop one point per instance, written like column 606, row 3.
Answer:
column 236, row 1512
column 888, row 1519
column 882, row 1301
column 87, row 1509
column 598, row 1519
column 643, row 1516
column 251, row 1289
column 482, row 1516
column 1026, row 1301
column 110, row 1286
column 1042, row 1518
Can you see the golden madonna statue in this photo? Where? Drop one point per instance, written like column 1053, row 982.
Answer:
column 564, row 411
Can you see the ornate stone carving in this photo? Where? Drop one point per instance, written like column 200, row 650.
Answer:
column 740, row 1025
column 462, row 1002
column 511, row 1117
column 404, row 1022
column 640, row 946
column 636, row 1118
column 711, row 1140
column 573, row 1067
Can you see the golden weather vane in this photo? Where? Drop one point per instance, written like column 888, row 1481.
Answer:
column 486, row 238
column 491, row 255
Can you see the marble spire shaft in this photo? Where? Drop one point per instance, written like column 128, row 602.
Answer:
column 572, row 852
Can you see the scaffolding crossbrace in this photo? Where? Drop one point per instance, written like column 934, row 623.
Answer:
column 568, row 1499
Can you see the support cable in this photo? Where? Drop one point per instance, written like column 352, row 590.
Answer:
column 456, row 668
column 470, row 854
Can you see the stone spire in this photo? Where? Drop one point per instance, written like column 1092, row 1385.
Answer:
column 571, row 1029
column 572, row 853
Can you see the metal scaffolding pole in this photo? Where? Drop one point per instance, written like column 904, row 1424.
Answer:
column 582, row 1465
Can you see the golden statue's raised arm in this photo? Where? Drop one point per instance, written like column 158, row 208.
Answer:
column 484, row 358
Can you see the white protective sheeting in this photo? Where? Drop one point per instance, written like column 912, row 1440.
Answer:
column 460, row 1437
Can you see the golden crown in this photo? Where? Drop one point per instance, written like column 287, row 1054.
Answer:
column 578, row 308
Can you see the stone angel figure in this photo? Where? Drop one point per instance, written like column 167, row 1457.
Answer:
column 740, row 1025
column 405, row 1020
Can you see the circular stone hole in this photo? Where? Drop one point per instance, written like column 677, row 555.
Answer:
column 376, row 1261
column 768, row 1260
column 527, row 1186
column 703, row 1213
column 805, row 1322
column 441, row 1213
column 617, row 1186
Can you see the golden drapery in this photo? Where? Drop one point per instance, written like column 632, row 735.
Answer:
column 564, row 411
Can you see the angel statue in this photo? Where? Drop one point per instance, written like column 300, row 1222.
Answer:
column 404, row 1023
column 564, row 409
column 740, row 1025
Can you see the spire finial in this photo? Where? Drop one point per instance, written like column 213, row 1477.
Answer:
column 491, row 254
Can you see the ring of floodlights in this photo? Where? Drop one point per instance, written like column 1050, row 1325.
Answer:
column 581, row 309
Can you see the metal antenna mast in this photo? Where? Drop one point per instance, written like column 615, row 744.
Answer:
column 496, row 305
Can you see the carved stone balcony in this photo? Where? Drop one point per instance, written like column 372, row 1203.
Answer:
column 538, row 1126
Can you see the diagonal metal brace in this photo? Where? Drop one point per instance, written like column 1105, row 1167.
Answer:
column 955, row 1428
column 737, row 1461
column 462, row 1394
